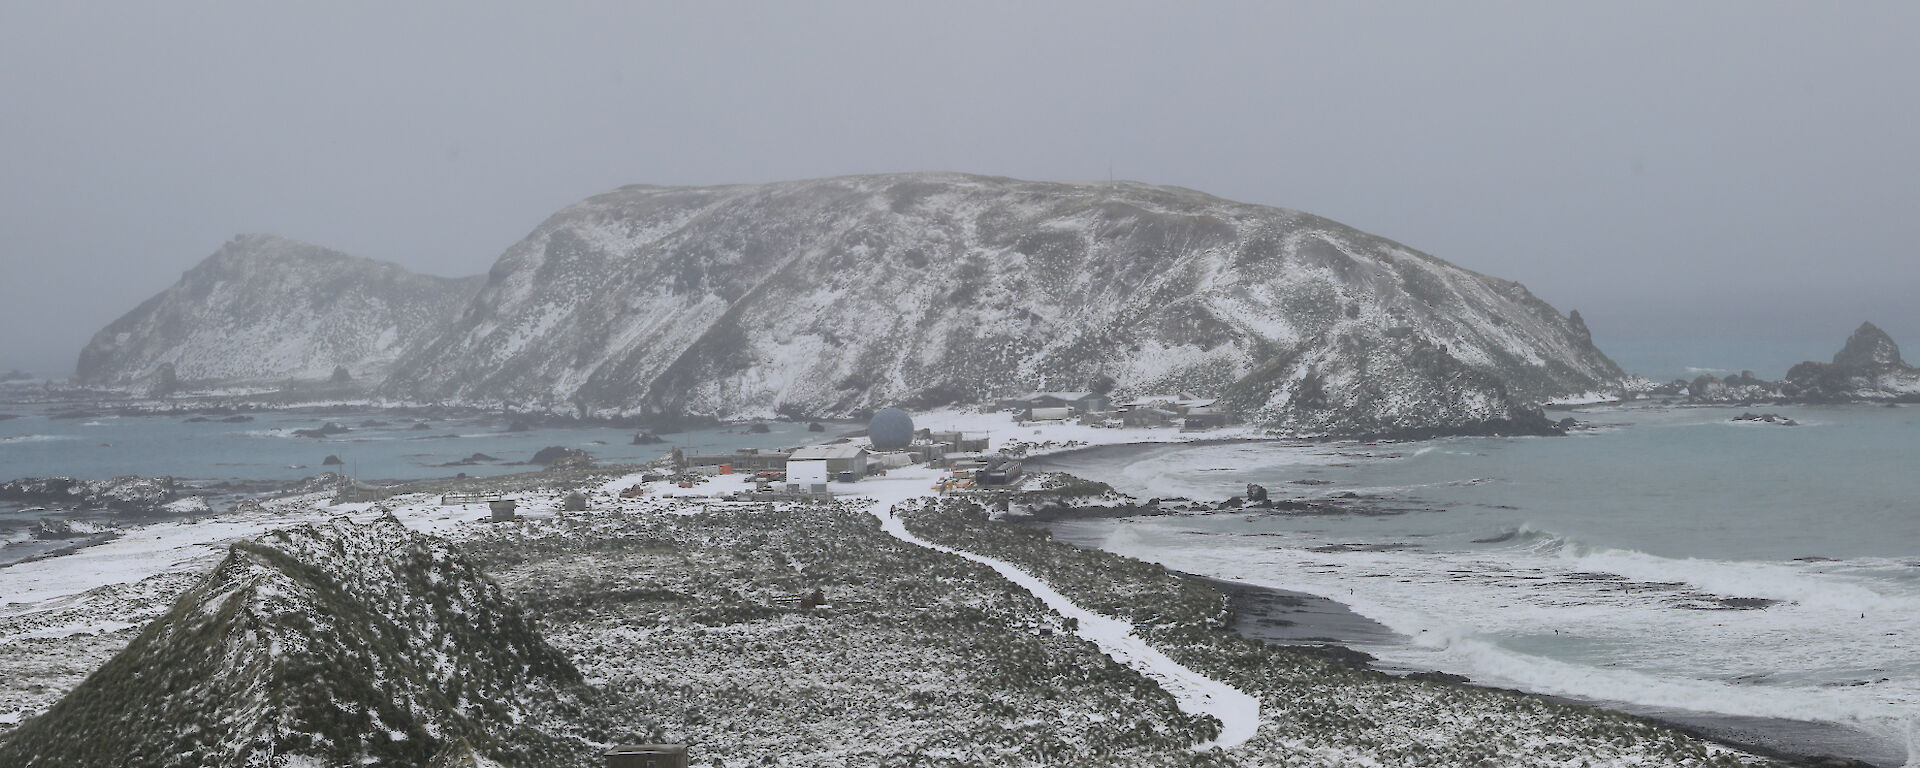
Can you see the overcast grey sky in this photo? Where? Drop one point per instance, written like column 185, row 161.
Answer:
column 1733, row 176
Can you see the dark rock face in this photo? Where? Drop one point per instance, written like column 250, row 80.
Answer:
column 835, row 297
column 1870, row 348
column 336, row 644
column 1767, row 418
column 328, row 429
column 553, row 455
column 1868, row 368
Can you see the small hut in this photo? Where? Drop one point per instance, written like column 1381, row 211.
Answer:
column 502, row 510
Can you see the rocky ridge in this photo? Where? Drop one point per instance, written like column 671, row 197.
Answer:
column 1867, row 369
column 334, row 644
column 268, row 309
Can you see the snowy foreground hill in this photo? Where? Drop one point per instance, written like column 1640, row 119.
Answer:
column 830, row 297
column 337, row 644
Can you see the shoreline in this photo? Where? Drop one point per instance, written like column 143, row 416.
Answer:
column 1305, row 620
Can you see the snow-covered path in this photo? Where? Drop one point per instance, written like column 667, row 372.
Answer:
column 1239, row 713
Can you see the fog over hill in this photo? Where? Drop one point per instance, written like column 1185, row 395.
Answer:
column 267, row 309
column 835, row 296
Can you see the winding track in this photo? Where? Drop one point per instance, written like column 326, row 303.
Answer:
column 1194, row 693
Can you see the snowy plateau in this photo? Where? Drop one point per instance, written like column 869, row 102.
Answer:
column 834, row 297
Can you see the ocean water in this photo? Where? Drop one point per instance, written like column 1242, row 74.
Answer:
column 265, row 449
column 1670, row 559
column 264, row 454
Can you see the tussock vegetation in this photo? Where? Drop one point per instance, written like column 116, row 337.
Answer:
column 688, row 626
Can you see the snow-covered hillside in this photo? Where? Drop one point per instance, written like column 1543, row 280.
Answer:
column 833, row 296
column 326, row 644
column 268, row 309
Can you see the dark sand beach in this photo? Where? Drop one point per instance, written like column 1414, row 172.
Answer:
column 1287, row 617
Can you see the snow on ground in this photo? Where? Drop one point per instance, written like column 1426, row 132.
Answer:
column 139, row 553
column 1044, row 437
column 1238, row 712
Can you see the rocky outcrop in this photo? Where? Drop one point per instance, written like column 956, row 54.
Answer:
column 269, row 309
column 121, row 495
column 335, row 644
column 1867, row 369
column 835, row 297
column 1869, row 348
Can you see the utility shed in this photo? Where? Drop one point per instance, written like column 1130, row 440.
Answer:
column 840, row 458
column 1048, row 414
column 647, row 756
column 502, row 509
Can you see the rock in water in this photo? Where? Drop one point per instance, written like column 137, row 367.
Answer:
column 335, row 644
column 331, row 461
column 1869, row 347
column 1868, row 368
column 561, row 457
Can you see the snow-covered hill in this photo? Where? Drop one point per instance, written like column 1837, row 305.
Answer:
column 269, row 309
column 335, row 644
column 835, row 296
column 832, row 296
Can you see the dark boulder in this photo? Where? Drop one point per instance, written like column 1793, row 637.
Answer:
column 331, row 461
column 556, row 455
column 326, row 430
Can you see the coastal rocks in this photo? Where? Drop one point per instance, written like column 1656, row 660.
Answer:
column 1767, row 418
column 477, row 458
column 1867, row 369
column 325, row 482
column 561, row 457
column 647, row 438
column 121, row 495
column 331, row 461
column 1869, row 348
column 328, row 429
column 56, row 529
